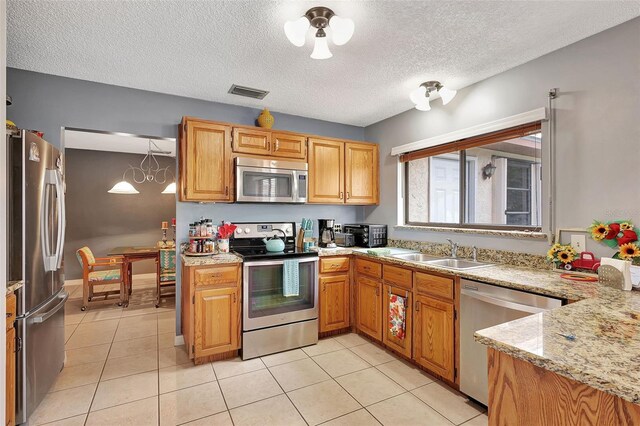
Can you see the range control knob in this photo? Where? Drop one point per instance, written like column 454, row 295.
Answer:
column 247, row 230
column 239, row 231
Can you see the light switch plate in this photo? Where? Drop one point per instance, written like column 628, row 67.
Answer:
column 579, row 242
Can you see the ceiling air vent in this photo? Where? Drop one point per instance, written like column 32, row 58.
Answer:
column 248, row 92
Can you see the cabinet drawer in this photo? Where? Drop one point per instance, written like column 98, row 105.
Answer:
column 217, row 275
column 399, row 276
column 11, row 310
column 367, row 267
column 434, row 285
column 334, row 264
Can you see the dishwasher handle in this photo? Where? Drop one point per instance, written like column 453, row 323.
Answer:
column 501, row 302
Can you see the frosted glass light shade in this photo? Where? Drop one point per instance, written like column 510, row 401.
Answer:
column 296, row 31
column 423, row 105
column 341, row 30
column 170, row 189
column 418, row 95
column 321, row 49
column 447, row 95
column 123, row 187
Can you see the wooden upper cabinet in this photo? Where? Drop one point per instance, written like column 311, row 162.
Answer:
column 326, row 171
column 251, row 141
column 217, row 321
column 205, row 162
column 362, row 176
column 433, row 336
column 334, row 302
column 289, row 145
column 369, row 306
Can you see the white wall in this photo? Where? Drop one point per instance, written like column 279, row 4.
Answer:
column 597, row 132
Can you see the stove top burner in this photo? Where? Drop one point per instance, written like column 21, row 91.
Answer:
column 261, row 253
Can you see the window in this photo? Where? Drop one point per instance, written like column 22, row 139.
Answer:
column 493, row 181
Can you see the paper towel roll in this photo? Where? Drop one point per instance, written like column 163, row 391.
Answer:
column 623, row 266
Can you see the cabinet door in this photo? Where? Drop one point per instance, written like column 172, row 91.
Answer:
column 10, row 398
column 433, row 336
column 205, row 162
column 289, row 145
column 251, row 141
column 361, row 169
column 399, row 342
column 334, row 302
column 369, row 302
column 326, row 171
column 217, row 321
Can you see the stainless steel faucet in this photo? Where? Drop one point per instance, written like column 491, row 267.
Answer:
column 454, row 249
column 474, row 254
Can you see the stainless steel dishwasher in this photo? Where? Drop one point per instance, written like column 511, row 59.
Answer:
column 482, row 306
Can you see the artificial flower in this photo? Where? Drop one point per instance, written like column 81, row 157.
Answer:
column 629, row 250
column 614, row 230
column 628, row 236
column 599, row 231
column 566, row 256
column 626, row 225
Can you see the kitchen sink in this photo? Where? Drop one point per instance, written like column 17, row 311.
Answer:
column 458, row 263
column 415, row 257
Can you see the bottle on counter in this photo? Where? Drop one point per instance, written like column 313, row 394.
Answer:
column 209, row 227
column 193, row 246
column 192, row 230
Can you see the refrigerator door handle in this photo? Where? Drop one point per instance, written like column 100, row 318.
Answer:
column 50, row 260
column 43, row 317
column 62, row 220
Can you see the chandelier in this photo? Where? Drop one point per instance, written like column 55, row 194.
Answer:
column 320, row 19
column 149, row 171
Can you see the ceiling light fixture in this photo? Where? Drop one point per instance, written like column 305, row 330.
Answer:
column 149, row 172
column 420, row 96
column 321, row 18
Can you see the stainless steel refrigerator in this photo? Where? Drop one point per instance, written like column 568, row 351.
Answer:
column 36, row 232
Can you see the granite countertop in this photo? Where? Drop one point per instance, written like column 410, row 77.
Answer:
column 214, row 259
column 606, row 350
column 13, row 286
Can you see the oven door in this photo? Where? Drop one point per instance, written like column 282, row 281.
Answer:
column 264, row 304
column 269, row 185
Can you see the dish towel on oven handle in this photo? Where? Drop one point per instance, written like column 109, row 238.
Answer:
column 290, row 278
column 397, row 315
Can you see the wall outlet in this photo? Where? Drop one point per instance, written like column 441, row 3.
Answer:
column 579, row 242
column 337, row 227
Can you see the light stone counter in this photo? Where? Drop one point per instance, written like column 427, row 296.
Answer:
column 214, row 259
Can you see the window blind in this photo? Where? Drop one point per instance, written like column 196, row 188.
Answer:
column 475, row 141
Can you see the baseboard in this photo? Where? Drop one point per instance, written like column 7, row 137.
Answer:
column 179, row 340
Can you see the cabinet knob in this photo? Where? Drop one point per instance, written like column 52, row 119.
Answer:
column 234, row 298
column 417, row 306
column 226, row 190
column 341, row 195
column 348, row 196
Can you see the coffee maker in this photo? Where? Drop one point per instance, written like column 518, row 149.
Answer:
column 326, row 236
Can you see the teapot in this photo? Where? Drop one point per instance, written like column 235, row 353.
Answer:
column 275, row 243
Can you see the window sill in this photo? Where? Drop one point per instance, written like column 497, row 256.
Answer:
column 533, row 235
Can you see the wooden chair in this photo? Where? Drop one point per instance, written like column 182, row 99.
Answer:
column 100, row 271
column 166, row 273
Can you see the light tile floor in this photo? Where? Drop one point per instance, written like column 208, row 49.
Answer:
column 123, row 369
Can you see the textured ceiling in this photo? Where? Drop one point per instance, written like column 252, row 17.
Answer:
column 199, row 48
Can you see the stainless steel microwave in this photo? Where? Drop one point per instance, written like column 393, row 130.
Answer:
column 270, row 181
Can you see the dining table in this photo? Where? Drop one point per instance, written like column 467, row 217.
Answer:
column 129, row 255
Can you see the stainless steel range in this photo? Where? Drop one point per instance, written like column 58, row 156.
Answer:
column 275, row 317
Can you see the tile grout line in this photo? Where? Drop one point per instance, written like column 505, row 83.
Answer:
column 284, row 392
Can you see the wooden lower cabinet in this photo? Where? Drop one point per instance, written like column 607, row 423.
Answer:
column 369, row 305
column 10, row 371
column 433, row 336
column 216, row 321
column 523, row 394
column 400, row 345
column 334, row 302
column 211, row 311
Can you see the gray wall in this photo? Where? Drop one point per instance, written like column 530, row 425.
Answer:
column 46, row 102
column 597, row 132
column 103, row 221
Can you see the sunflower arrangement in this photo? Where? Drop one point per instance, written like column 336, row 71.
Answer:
column 621, row 235
column 560, row 254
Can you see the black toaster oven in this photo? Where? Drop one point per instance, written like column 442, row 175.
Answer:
column 367, row 234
